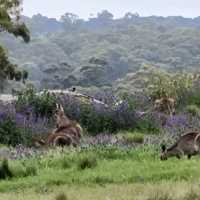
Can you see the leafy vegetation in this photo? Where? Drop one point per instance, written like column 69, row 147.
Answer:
column 41, row 105
column 134, row 58
column 164, row 84
column 104, row 51
column 10, row 22
column 193, row 110
column 10, row 134
column 141, row 166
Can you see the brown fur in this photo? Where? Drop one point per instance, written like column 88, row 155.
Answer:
column 61, row 139
column 188, row 144
column 165, row 104
column 67, row 132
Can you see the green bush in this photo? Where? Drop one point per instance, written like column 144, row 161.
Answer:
column 43, row 105
column 96, row 122
column 193, row 98
column 5, row 171
column 147, row 126
column 65, row 163
column 164, row 84
column 30, row 171
column 87, row 162
column 194, row 110
column 10, row 134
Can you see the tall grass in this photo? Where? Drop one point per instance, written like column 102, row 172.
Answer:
column 101, row 166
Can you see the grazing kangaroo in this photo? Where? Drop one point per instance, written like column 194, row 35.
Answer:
column 67, row 132
column 188, row 144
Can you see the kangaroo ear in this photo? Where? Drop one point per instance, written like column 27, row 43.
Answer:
column 61, row 108
column 163, row 147
column 57, row 106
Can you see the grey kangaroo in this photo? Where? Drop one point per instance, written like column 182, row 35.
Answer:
column 188, row 144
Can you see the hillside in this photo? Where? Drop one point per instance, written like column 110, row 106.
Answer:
column 103, row 51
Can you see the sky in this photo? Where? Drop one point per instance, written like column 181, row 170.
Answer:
column 83, row 8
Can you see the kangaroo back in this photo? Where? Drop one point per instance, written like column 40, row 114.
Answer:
column 188, row 144
column 67, row 132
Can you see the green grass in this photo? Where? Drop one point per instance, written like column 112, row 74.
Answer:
column 100, row 166
column 132, row 137
column 162, row 191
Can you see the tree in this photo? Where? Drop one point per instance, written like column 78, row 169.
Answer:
column 71, row 21
column 69, row 18
column 105, row 15
column 131, row 16
column 10, row 22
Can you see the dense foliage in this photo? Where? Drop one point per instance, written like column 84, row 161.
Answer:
column 97, row 52
column 10, row 22
column 29, row 102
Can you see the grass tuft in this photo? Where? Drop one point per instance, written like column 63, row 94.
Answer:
column 5, row 171
column 192, row 195
column 87, row 162
column 160, row 196
column 61, row 196
column 30, row 171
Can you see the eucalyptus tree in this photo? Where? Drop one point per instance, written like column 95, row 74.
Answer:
column 11, row 23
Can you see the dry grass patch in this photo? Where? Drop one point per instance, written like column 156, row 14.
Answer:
column 162, row 191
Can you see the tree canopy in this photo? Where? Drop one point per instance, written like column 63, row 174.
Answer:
column 105, row 51
column 10, row 22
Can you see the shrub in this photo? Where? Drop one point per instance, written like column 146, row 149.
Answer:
column 5, row 171
column 164, row 84
column 193, row 96
column 42, row 105
column 17, row 128
column 96, row 121
column 148, row 126
column 97, row 118
column 194, row 110
column 87, row 162
column 30, row 171
column 65, row 163
column 10, row 134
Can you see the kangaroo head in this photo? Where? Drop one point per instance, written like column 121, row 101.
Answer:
column 163, row 155
column 59, row 112
column 61, row 118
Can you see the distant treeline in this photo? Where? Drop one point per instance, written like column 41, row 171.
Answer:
column 103, row 50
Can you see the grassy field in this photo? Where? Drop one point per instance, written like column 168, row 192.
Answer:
column 102, row 173
column 161, row 191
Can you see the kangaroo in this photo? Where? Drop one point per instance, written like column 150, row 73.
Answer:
column 61, row 139
column 67, row 132
column 165, row 104
column 55, row 139
column 64, row 124
column 188, row 144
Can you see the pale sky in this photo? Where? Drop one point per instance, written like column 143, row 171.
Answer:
column 83, row 8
